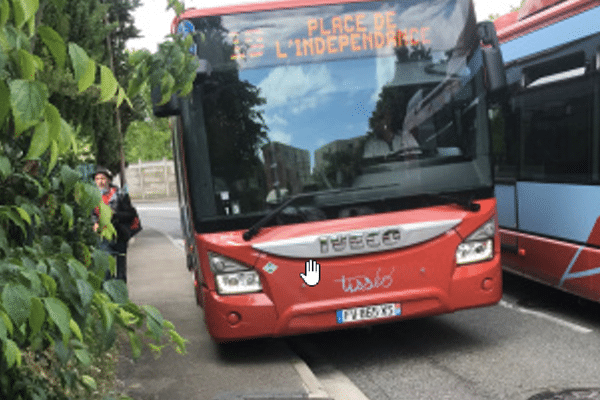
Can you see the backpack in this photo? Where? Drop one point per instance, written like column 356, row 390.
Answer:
column 136, row 224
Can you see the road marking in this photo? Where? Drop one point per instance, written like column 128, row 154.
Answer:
column 339, row 386
column 179, row 243
column 575, row 327
column 155, row 208
column 312, row 385
column 329, row 381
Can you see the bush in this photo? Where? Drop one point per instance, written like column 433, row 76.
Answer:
column 57, row 313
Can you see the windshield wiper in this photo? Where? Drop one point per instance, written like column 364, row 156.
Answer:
column 254, row 229
column 409, row 151
column 465, row 202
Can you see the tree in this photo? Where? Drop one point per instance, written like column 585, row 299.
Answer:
column 148, row 140
column 55, row 307
column 101, row 28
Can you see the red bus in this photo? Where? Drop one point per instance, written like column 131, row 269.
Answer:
column 334, row 163
column 548, row 151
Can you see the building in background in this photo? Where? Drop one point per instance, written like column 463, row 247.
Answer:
column 286, row 167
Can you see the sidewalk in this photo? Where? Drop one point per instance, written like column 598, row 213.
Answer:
column 259, row 369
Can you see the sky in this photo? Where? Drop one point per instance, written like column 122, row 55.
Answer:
column 154, row 22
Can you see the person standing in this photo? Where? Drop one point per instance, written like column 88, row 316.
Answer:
column 123, row 214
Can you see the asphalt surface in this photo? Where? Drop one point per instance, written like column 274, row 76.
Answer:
column 537, row 344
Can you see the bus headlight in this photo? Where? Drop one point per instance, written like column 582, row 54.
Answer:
column 232, row 277
column 478, row 246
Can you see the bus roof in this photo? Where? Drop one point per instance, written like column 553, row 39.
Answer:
column 253, row 7
column 537, row 14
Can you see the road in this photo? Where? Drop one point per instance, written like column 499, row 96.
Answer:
column 535, row 343
column 162, row 216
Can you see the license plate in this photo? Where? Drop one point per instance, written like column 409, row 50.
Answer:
column 368, row 312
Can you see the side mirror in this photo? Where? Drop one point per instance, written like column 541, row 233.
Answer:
column 204, row 67
column 492, row 57
column 168, row 109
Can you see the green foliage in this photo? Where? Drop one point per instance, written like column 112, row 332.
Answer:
column 101, row 28
column 172, row 68
column 148, row 141
column 56, row 311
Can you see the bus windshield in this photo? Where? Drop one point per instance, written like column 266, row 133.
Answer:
column 355, row 103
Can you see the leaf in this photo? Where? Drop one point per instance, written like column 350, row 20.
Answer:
column 107, row 230
column 88, row 77
column 39, row 142
column 28, row 65
column 17, row 303
column 84, row 67
column 63, row 353
column 117, row 290
column 67, row 214
column 49, row 283
column 153, row 313
column 5, row 167
column 108, row 84
column 28, row 101
column 54, row 123
column 59, row 314
column 24, row 215
column 86, row 292
column 77, row 268
column 24, row 11
column 53, row 156
column 80, row 61
column 107, row 315
column 4, row 12
column 75, row 329
column 166, row 88
column 3, row 330
column 176, row 5
column 87, row 196
column 127, row 318
column 55, row 43
column 12, row 354
column 179, row 341
column 7, row 322
column 83, row 356
column 121, row 95
column 14, row 216
column 66, row 138
column 154, row 328
column 89, row 382
column 101, row 262
column 4, row 102
column 69, row 177
column 13, row 38
column 187, row 88
column 37, row 316
column 136, row 57
column 136, row 345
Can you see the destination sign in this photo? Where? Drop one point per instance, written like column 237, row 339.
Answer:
column 330, row 32
column 335, row 35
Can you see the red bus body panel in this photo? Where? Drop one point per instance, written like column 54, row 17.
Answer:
column 537, row 14
column 566, row 266
column 423, row 278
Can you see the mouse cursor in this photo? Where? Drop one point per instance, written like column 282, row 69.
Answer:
column 312, row 274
